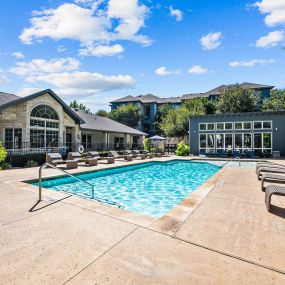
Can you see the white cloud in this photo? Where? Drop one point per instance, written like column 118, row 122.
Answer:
column 61, row 48
column 28, row 91
column 119, row 20
column 275, row 10
column 40, row 66
column 101, row 50
column 178, row 14
column 271, row 39
column 81, row 84
column 18, row 54
column 211, row 40
column 198, row 69
column 163, row 71
column 251, row 63
column 4, row 79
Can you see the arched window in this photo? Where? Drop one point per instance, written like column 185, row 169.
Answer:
column 44, row 112
column 44, row 127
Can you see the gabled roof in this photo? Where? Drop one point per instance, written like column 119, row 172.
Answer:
column 256, row 86
column 148, row 98
column 194, row 95
column 12, row 100
column 103, row 124
column 7, row 97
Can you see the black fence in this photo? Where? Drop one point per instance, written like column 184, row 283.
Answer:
column 29, row 153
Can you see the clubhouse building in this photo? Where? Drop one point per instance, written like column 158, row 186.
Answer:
column 43, row 121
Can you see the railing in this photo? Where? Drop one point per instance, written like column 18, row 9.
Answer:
column 75, row 177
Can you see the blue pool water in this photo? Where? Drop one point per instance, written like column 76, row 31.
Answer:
column 151, row 188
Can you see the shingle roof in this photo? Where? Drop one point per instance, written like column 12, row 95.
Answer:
column 13, row 100
column 194, row 95
column 148, row 98
column 6, row 98
column 256, row 86
column 103, row 124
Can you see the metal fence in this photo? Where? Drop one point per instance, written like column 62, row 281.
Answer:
column 27, row 152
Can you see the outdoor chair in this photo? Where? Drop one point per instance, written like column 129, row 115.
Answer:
column 54, row 158
column 129, row 152
column 115, row 155
column 272, row 178
column 268, row 164
column 148, row 154
column 75, row 156
column 236, row 154
column 202, row 153
column 137, row 154
column 94, row 154
column 223, row 154
column 251, row 154
column 273, row 169
column 273, row 190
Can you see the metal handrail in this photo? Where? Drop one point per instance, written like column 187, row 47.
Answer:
column 73, row 176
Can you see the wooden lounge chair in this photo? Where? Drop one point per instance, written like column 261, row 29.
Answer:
column 129, row 152
column 54, row 158
column 272, row 178
column 270, row 169
column 273, row 190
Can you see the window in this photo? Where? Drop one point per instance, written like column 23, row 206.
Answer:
column 247, row 141
column 44, row 127
column 267, row 125
column 87, row 141
column 238, row 126
column 203, row 127
column 263, row 142
column 228, row 141
column 220, row 126
column 257, row 125
column 210, row 127
column 238, row 141
column 220, row 141
column 247, row 125
column 13, row 138
column 44, row 112
column 228, row 126
column 210, row 142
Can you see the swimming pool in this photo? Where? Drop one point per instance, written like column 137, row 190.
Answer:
column 151, row 188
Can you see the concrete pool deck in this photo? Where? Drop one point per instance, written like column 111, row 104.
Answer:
column 229, row 238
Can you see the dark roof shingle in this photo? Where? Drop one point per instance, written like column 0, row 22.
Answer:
column 103, row 124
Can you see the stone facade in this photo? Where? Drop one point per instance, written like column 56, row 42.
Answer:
column 18, row 116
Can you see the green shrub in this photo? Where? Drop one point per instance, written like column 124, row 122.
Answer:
column 3, row 153
column 5, row 165
column 32, row 163
column 147, row 145
column 182, row 149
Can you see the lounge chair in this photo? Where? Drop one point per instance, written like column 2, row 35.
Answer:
column 262, row 169
column 268, row 164
column 129, row 152
column 94, row 154
column 223, row 154
column 272, row 178
column 75, row 156
column 148, row 154
column 236, row 154
column 251, row 154
column 138, row 154
column 273, row 190
column 114, row 154
column 202, row 153
column 54, row 158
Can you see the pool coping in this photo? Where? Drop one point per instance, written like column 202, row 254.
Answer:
column 168, row 224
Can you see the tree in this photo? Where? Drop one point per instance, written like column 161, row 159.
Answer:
column 127, row 114
column 161, row 113
column 235, row 99
column 75, row 105
column 176, row 122
column 276, row 101
column 102, row 113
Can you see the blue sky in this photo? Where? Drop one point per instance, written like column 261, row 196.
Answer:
column 95, row 50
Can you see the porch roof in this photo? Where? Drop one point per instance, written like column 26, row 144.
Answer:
column 103, row 124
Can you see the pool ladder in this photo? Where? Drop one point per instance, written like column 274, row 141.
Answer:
column 101, row 200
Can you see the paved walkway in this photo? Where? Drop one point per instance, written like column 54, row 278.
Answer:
column 229, row 239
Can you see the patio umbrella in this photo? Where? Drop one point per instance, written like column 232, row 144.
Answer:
column 157, row 138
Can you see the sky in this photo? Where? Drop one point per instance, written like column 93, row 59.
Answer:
column 96, row 51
